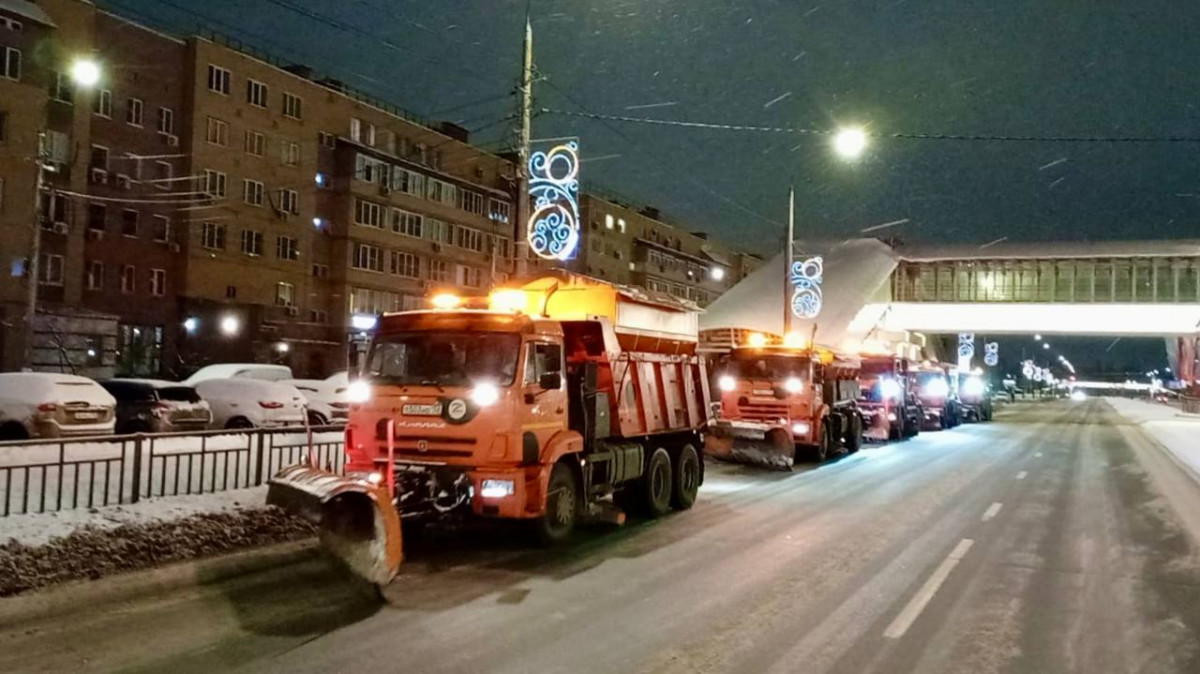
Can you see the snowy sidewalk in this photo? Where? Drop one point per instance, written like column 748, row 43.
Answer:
column 1179, row 433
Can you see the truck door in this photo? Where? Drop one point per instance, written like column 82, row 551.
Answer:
column 545, row 409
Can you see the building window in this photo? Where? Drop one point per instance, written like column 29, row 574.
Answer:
column 285, row 295
column 64, row 88
column 214, row 183
column 370, row 170
column 327, row 140
column 318, row 316
column 291, row 153
column 217, row 132
column 289, row 201
column 367, row 258
column 438, row 231
column 320, row 271
column 158, row 282
column 256, row 143
column 405, row 264
column 219, row 79
column 94, row 279
column 442, row 192
column 471, row 239
column 292, row 106
column 287, row 248
column 212, row 236
column 230, row 292
column 129, row 222
column 253, row 192
column 162, row 228
column 408, row 224
column 166, row 121
column 471, row 202
column 368, row 214
column 252, row 242
column 3, row 126
column 408, row 182
column 99, row 158
column 50, row 271
column 128, row 279
column 97, row 217
column 608, row 221
column 163, row 174
column 500, row 211
column 256, row 93
column 470, row 277
column 102, row 104
column 134, row 111
column 11, row 66
column 11, row 24
column 366, row 301
column 362, row 132
column 439, row 270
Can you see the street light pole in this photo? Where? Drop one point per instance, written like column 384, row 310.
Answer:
column 32, row 267
column 523, row 142
column 789, row 253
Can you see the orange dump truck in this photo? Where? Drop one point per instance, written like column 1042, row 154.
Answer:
column 776, row 398
column 558, row 395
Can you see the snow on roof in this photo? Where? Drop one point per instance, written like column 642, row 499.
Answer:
column 1024, row 250
column 28, row 10
column 855, row 272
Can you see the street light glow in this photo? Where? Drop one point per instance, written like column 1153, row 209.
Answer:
column 849, row 143
column 230, row 325
column 1037, row 338
column 718, row 274
column 85, row 72
column 1045, row 346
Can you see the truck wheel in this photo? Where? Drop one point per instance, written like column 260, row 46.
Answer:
column 854, row 437
column 821, row 450
column 562, row 506
column 655, row 485
column 686, row 484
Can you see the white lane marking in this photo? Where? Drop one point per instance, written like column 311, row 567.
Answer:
column 1039, row 455
column 1021, row 475
column 922, row 598
column 992, row 511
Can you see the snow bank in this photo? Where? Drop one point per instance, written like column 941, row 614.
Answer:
column 1179, row 433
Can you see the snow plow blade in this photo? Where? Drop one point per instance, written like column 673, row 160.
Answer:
column 766, row 448
column 358, row 523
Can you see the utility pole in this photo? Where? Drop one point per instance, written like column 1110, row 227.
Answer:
column 523, row 142
column 789, row 252
column 35, row 251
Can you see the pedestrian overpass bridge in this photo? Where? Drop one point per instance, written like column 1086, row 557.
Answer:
column 876, row 291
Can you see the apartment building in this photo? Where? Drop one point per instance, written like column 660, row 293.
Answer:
column 634, row 246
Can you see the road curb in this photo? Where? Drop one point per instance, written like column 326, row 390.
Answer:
column 20, row 610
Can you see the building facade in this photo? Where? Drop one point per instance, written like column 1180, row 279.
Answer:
column 634, row 246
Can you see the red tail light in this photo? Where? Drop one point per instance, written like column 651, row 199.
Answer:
column 47, row 407
column 270, row 405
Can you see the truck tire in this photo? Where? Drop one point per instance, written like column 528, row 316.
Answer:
column 686, row 483
column 854, row 435
column 654, row 487
column 820, row 451
column 562, row 506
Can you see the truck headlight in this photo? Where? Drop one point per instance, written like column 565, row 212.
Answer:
column 973, row 386
column 485, row 394
column 891, row 416
column 496, row 488
column 800, row 428
column 792, row 385
column 937, row 388
column 358, row 391
column 726, row 383
column 890, row 389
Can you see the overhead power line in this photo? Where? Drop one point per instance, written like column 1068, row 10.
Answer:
column 986, row 138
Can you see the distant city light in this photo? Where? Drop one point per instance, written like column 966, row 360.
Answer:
column 230, row 325
column 849, row 143
column 190, row 324
column 1045, row 346
column 718, row 274
column 363, row 322
column 321, row 180
column 1037, row 338
column 318, row 223
column 283, row 347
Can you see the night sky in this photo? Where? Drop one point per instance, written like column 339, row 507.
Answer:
column 970, row 67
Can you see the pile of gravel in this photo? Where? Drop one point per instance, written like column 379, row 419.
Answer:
column 94, row 552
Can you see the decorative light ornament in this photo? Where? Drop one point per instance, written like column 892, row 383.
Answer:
column 807, row 298
column 991, row 354
column 553, row 228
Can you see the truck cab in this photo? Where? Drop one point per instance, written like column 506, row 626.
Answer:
column 777, row 398
column 975, row 396
column 890, row 406
column 939, row 403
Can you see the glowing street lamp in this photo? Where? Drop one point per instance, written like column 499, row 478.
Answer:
column 85, row 72
column 850, row 142
column 230, row 326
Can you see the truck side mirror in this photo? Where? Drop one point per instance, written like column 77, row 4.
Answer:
column 550, row 381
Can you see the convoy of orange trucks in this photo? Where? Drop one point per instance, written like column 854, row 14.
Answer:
column 563, row 400
column 781, row 400
column 569, row 399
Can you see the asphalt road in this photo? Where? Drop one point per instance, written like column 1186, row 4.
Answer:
column 1057, row 539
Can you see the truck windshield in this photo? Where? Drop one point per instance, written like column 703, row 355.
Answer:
column 444, row 358
column 769, row 367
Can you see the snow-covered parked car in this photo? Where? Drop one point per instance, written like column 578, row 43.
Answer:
column 327, row 400
column 48, row 405
column 154, row 406
column 263, row 371
column 252, row 403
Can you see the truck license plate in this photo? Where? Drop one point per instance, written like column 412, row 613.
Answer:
column 87, row 416
column 424, row 410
